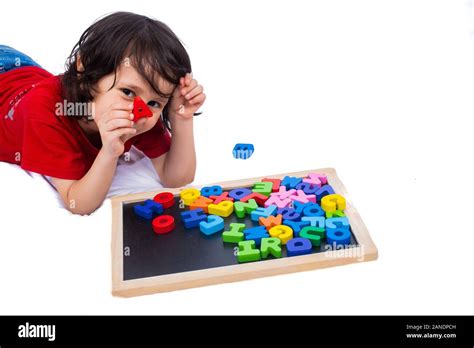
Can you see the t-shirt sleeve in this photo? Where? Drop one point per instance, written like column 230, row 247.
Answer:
column 154, row 142
column 50, row 150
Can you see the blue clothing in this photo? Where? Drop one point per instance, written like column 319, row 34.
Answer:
column 11, row 59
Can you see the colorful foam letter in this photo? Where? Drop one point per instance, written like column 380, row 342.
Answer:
column 263, row 212
column 324, row 191
column 338, row 236
column 201, row 202
column 213, row 225
column 289, row 213
column 290, row 182
column 224, row 208
column 313, row 210
column 283, row 193
column 222, row 197
column 296, row 226
column 299, row 207
column 148, row 208
column 302, row 197
column 241, row 208
column 314, row 234
column 235, row 234
column 270, row 246
column 333, row 202
column 192, row 218
column 316, row 179
column 269, row 222
column 265, row 188
column 340, row 222
column 259, row 198
column 247, row 251
column 239, row 193
column 315, row 221
column 189, row 195
column 337, row 213
column 307, row 188
column 277, row 201
column 283, row 232
column 166, row 199
column 256, row 234
column 140, row 109
column 211, row 190
column 243, row 151
column 275, row 183
column 298, row 246
column 163, row 224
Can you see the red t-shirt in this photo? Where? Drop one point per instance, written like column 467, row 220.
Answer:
column 32, row 136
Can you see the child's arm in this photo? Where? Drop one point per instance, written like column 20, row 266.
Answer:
column 87, row 194
column 178, row 166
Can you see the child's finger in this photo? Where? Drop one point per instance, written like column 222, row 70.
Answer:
column 123, row 132
column 118, row 114
column 192, row 85
column 124, row 106
column 121, row 114
column 198, row 100
column 194, row 92
column 188, row 78
column 117, row 123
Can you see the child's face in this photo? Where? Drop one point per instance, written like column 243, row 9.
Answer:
column 130, row 83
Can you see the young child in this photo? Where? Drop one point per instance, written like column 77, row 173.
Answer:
column 74, row 127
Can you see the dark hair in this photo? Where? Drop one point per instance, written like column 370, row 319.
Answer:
column 150, row 46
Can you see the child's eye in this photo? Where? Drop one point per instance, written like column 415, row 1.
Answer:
column 154, row 104
column 128, row 92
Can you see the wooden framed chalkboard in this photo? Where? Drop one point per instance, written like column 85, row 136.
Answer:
column 144, row 262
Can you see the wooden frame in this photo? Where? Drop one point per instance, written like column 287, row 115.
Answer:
column 365, row 251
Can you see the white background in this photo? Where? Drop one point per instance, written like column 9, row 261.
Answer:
column 380, row 90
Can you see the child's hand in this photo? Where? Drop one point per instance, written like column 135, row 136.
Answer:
column 116, row 127
column 187, row 98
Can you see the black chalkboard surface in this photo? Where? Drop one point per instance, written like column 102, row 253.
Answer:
column 181, row 250
column 144, row 262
